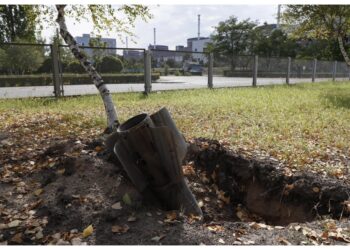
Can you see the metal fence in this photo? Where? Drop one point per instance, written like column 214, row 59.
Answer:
column 51, row 70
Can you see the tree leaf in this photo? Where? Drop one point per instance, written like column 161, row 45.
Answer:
column 88, row 231
column 120, row 229
column 127, row 199
column 117, row 206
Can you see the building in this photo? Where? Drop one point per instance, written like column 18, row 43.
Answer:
column 107, row 42
column 133, row 54
column 161, row 54
column 196, row 44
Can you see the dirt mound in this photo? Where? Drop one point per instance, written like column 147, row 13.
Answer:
column 265, row 189
column 242, row 201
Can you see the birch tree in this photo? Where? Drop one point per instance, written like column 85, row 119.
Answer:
column 320, row 22
column 104, row 17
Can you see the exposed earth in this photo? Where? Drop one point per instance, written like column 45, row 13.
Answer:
column 71, row 191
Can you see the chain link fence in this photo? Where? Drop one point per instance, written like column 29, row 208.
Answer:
column 51, row 70
column 117, row 66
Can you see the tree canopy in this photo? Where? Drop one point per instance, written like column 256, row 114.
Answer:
column 17, row 22
column 320, row 22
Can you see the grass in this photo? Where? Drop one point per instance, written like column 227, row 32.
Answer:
column 304, row 126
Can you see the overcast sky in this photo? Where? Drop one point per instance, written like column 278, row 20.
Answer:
column 176, row 23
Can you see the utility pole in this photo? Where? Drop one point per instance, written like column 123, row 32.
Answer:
column 278, row 16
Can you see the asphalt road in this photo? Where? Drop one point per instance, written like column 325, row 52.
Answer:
column 164, row 83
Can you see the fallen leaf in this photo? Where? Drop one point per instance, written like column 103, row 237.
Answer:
column 171, row 216
column 76, row 241
column 127, row 199
column 38, row 191
column 284, row 241
column 192, row 218
column 98, row 149
column 221, row 196
column 117, row 206
column 88, row 231
column 158, row 238
column 14, row 223
column 316, row 189
column 188, row 170
column 215, row 228
column 132, row 219
column 249, row 242
column 347, row 205
column 61, row 171
column 221, row 241
column 39, row 235
column 17, row 238
column 256, row 226
column 120, row 229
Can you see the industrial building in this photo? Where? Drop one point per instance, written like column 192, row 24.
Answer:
column 107, row 42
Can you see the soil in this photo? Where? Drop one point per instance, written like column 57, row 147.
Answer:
column 245, row 201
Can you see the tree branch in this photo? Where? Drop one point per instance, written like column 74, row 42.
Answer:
column 112, row 119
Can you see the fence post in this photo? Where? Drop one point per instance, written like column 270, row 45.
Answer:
column 255, row 70
column 314, row 70
column 210, row 70
column 334, row 73
column 148, row 73
column 288, row 70
column 55, row 71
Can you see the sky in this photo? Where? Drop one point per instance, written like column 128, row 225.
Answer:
column 175, row 23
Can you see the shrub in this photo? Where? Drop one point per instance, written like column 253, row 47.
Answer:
column 46, row 66
column 75, row 67
column 111, row 64
column 70, row 79
column 177, row 73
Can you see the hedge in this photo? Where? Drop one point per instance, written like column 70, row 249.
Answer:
column 69, row 79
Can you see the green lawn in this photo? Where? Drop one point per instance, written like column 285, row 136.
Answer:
column 306, row 125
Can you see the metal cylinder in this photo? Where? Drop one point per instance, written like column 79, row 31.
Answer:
column 151, row 150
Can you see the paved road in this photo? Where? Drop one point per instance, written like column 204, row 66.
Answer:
column 164, row 83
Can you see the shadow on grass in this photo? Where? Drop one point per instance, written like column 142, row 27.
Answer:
column 339, row 98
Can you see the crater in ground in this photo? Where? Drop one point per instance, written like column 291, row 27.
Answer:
column 79, row 183
column 267, row 191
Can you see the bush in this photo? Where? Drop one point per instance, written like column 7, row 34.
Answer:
column 177, row 73
column 166, row 70
column 46, row 67
column 110, row 64
column 69, row 79
column 75, row 67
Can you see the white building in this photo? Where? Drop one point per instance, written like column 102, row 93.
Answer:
column 107, row 42
column 200, row 45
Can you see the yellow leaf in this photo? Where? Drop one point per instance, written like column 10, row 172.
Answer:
column 88, row 231
column 316, row 189
column 38, row 191
column 215, row 228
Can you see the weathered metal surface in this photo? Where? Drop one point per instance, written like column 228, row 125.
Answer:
column 151, row 150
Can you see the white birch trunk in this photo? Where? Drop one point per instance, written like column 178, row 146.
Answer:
column 111, row 113
column 343, row 51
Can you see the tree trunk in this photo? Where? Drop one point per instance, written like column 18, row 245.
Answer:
column 111, row 113
column 343, row 51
